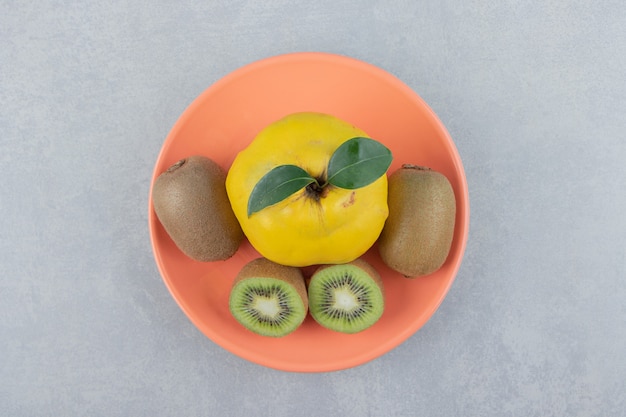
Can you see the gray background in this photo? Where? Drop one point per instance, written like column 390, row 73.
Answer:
column 534, row 95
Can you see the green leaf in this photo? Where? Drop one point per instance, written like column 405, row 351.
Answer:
column 276, row 185
column 358, row 162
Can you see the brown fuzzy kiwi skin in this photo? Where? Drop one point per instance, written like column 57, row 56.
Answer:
column 418, row 233
column 365, row 266
column 263, row 267
column 191, row 203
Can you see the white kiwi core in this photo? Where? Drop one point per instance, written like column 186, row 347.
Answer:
column 344, row 299
column 267, row 307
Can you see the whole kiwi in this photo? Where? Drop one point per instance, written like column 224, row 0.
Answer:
column 417, row 235
column 191, row 203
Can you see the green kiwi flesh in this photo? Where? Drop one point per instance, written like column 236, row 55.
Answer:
column 346, row 298
column 417, row 236
column 269, row 299
column 190, row 201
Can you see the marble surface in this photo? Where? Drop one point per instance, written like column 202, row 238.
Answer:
column 534, row 96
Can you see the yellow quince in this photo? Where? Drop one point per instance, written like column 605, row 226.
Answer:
column 292, row 190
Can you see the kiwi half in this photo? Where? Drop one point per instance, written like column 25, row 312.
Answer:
column 346, row 298
column 269, row 299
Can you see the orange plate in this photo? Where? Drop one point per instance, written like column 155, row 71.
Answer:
column 226, row 117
